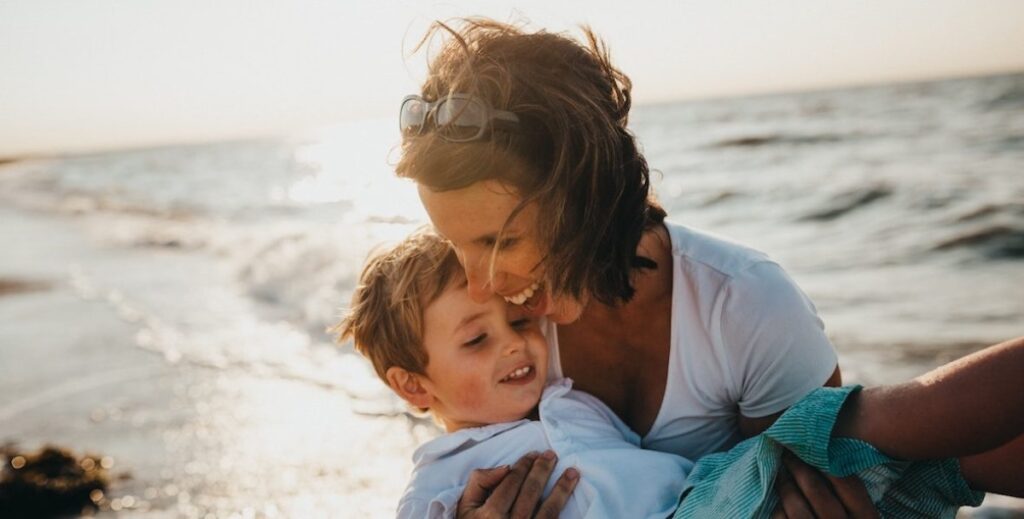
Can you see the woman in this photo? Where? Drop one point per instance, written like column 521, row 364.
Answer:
column 519, row 146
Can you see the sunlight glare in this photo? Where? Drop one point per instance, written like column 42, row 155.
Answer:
column 349, row 163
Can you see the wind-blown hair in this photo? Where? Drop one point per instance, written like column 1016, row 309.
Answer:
column 385, row 318
column 572, row 154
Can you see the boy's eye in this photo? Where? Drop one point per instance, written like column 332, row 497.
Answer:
column 476, row 340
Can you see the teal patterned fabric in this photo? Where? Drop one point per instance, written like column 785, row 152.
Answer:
column 739, row 483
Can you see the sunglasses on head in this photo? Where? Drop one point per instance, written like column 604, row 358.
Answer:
column 457, row 117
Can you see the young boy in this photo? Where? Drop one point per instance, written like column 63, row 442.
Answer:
column 481, row 370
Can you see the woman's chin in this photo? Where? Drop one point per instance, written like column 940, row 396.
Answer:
column 567, row 314
column 564, row 310
column 538, row 304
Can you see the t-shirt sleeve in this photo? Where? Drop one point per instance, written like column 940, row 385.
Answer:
column 774, row 342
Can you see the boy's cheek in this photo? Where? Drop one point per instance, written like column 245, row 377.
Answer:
column 473, row 394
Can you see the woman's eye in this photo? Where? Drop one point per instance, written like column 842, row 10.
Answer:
column 479, row 339
column 519, row 324
column 506, row 242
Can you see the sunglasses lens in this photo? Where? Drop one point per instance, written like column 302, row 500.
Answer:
column 461, row 119
column 412, row 116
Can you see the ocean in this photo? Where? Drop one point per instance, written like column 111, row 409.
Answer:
column 178, row 298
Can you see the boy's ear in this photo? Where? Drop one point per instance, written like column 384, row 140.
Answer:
column 409, row 387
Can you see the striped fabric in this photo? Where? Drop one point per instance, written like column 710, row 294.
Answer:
column 739, row 483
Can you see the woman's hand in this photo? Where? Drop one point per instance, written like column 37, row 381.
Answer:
column 806, row 493
column 516, row 491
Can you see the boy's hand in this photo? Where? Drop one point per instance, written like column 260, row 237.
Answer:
column 806, row 493
column 516, row 491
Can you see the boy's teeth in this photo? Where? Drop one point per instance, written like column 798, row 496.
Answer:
column 521, row 297
column 519, row 373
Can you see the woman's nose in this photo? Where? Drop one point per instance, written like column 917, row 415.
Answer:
column 478, row 277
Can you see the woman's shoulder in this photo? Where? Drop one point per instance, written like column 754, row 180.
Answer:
column 700, row 250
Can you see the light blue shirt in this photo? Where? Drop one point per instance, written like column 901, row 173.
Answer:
column 618, row 478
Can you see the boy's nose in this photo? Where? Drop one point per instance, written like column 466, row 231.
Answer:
column 514, row 343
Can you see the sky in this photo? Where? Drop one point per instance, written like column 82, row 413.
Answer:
column 86, row 75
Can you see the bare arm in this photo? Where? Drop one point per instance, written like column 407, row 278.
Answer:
column 1000, row 470
column 967, row 407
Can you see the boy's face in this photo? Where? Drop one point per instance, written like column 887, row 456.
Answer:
column 488, row 361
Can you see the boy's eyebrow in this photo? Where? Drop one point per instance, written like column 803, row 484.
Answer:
column 470, row 318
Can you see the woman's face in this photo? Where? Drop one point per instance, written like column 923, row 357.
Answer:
column 471, row 219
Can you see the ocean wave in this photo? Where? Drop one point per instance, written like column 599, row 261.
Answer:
column 1013, row 210
column 1012, row 96
column 45, row 195
column 847, row 202
column 752, row 141
column 1008, row 143
column 993, row 241
column 301, row 277
column 718, row 197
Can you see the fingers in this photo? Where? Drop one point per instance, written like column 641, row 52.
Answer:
column 792, row 504
column 854, row 497
column 555, row 501
column 515, row 491
column 815, row 488
column 481, row 483
column 533, row 486
column 504, row 495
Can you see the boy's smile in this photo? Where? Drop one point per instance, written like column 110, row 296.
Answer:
column 487, row 361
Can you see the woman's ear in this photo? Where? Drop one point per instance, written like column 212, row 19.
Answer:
column 409, row 387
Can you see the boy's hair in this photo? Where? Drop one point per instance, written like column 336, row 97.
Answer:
column 385, row 319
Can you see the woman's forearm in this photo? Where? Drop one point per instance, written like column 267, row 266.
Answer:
column 966, row 407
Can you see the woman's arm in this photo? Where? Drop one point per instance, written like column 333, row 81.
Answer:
column 1000, row 470
column 972, row 408
column 966, row 407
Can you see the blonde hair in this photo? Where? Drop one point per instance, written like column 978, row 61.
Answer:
column 385, row 318
column 572, row 154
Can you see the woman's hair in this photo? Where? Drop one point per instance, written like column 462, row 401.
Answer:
column 571, row 154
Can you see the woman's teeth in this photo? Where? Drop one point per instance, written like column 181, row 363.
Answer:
column 519, row 373
column 521, row 297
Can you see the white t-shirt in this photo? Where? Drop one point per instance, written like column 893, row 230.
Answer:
column 745, row 341
column 617, row 478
